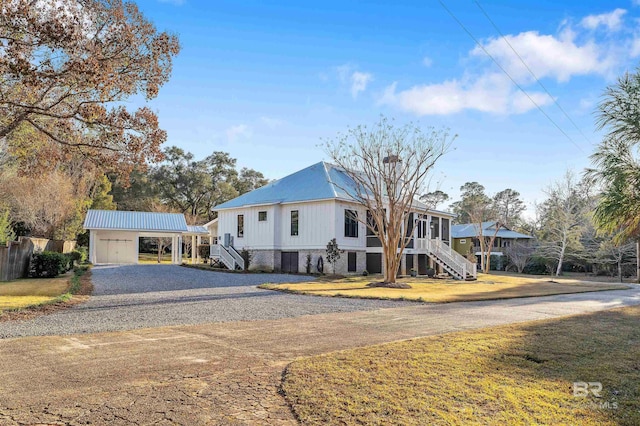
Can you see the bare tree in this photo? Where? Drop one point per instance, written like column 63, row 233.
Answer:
column 388, row 166
column 519, row 254
column 563, row 217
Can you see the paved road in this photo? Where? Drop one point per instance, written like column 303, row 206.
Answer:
column 139, row 296
column 226, row 373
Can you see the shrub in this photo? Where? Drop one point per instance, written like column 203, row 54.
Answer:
column 247, row 256
column 48, row 264
column 76, row 257
column 431, row 272
column 365, row 273
column 204, row 250
column 307, row 263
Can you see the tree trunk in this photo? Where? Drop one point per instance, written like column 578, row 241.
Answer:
column 638, row 260
column 560, row 259
column 620, row 269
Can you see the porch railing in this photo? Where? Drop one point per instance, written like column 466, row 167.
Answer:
column 451, row 258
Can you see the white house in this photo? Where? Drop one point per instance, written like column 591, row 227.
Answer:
column 287, row 224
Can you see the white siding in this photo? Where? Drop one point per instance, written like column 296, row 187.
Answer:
column 315, row 228
column 349, row 243
column 257, row 235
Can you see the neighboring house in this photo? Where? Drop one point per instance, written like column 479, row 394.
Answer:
column 465, row 238
column 286, row 221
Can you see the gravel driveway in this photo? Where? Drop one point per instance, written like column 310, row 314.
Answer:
column 136, row 296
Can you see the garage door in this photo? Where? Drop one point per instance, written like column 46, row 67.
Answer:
column 289, row 262
column 116, row 250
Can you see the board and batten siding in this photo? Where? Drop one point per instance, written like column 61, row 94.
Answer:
column 350, row 243
column 257, row 235
column 315, row 227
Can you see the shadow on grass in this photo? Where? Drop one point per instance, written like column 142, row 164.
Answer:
column 519, row 374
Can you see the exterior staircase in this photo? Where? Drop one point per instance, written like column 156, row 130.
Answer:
column 451, row 261
column 227, row 256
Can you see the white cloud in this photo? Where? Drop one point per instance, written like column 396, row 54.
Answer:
column 612, row 20
column 359, row 82
column 573, row 51
column 427, row 61
column 240, row 131
column 559, row 57
column 492, row 93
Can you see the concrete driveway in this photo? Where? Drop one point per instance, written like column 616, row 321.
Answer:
column 128, row 297
column 225, row 373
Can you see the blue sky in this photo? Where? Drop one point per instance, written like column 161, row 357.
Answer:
column 268, row 81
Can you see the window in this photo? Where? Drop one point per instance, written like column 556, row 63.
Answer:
column 350, row 223
column 506, row 243
column 463, row 241
column 262, row 216
column 294, row 222
column 240, row 225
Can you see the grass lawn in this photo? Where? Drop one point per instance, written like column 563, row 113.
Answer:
column 32, row 291
column 487, row 287
column 150, row 258
column 509, row 375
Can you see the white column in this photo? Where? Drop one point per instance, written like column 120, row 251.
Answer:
column 198, row 242
column 179, row 249
column 137, row 247
column 92, row 246
column 193, row 249
column 174, row 249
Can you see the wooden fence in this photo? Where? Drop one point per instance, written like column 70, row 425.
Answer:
column 16, row 255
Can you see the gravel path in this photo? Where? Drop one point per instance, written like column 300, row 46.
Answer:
column 138, row 296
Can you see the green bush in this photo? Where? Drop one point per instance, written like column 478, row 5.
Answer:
column 83, row 252
column 48, row 264
column 76, row 257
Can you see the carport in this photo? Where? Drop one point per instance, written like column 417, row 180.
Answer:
column 114, row 235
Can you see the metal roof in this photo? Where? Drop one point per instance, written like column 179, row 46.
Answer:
column 191, row 229
column 320, row 181
column 469, row 230
column 135, row 221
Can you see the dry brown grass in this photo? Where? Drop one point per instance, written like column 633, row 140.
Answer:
column 487, row 287
column 509, row 375
column 32, row 291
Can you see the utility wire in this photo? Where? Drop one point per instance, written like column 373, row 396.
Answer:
column 530, row 70
column 508, row 75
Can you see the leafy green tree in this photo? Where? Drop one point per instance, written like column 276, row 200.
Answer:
column 434, row 198
column 472, row 199
column 248, row 180
column 509, row 207
column 6, row 228
column 616, row 165
column 101, row 198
